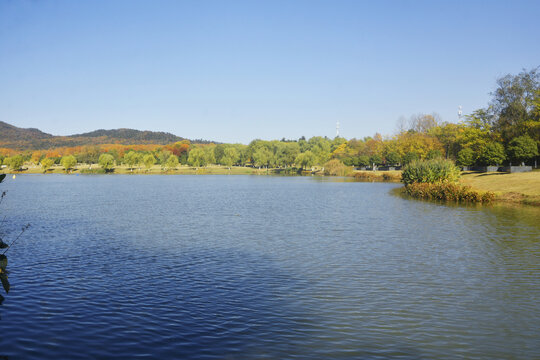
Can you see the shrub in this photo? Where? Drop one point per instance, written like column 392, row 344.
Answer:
column 377, row 176
column 430, row 171
column 448, row 192
column 336, row 168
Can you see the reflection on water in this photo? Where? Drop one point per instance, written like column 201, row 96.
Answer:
column 264, row 267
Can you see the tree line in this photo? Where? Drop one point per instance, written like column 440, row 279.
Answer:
column 506, row 131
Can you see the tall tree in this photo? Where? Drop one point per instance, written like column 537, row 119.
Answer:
column 513, row 102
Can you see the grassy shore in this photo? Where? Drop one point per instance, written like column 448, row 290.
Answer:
column 154, row 170
column 516, row 188
column 521, row 188
column 389, row 176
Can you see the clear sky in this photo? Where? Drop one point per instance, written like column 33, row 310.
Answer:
column 233, row 71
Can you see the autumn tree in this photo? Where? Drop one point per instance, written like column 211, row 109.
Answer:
column 36, row 157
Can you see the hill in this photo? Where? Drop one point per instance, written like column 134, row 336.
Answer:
column 13, row 137
column 12, row 133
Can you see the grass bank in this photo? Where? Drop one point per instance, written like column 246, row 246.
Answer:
column 521, row 188
column 390, row 176
column 154, row 170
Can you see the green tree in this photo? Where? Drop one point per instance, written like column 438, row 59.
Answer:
column 288, row 153
column 46, row 164
column 197, row 157
column 149, row 160
column 491, row 154
column 131, row 159
column 393, row 158
column 375, row 159
column 522, row 148
column 68, row 162
column 209, row 155
column 172, row 162
column 513, row 102
column 106, row 161
column 219, row 152
column 320, row 147
column 465, row 157
column 163, row 156
column 229, row 157
column 14, row 162
column 363, row 160
column 261, row 157
column 434, row 154
column 305, row 160
column 410, row 157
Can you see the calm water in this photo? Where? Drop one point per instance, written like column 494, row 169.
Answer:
column 263, row 267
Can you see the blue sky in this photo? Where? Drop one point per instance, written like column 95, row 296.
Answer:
column 233, row 71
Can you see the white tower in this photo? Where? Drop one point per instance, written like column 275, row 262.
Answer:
column 337, row 128
column 459, row 112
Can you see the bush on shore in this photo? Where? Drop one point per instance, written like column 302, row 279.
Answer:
column 377, row 176
column 430, row 171
column 337, row 168
column 448, row 192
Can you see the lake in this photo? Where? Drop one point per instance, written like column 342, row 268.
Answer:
column 233, row 267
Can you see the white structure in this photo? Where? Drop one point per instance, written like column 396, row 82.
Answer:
column 459, row 112
column 337, row 128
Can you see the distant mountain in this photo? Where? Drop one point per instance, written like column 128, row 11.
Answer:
column 131, row 135
column 24, row 139
column 12, row 133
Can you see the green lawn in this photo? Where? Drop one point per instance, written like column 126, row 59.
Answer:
column 516, row 187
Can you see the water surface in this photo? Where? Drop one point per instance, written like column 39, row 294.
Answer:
column 263, row 267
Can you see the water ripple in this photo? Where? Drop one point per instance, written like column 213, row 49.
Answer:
column 225, row 267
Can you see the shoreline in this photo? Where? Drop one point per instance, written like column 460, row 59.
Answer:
column 509, row 188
